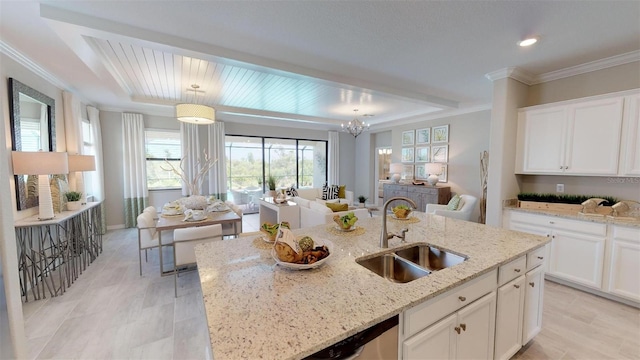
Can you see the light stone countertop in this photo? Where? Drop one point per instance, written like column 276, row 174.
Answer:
column 577, row 216
column 258, row 310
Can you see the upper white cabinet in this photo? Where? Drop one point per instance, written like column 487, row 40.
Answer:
column 630, row 149
column 579, row 137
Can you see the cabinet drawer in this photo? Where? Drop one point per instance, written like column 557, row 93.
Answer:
column 585, row 227
column 423, row 190
column 535, row 258
column 532, row 219
column 512, row 270
column 421, row 316
column 627, row 233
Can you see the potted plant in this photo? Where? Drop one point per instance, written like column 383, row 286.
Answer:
column 73, row 200
column 362, row 199
column 271, row 184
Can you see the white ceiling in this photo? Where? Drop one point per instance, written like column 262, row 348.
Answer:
column 309, row 63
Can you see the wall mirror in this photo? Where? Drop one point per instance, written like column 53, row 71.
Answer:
column 32, row 129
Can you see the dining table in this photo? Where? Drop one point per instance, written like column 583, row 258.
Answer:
column 172, row 222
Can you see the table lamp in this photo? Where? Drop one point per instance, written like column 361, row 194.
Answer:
column 43, row 164
column 433, row 169
column 395, row 169
column 78, row 163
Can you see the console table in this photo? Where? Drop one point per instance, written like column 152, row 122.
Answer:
column 273, row 213
column 53, row 253
column 421, row 194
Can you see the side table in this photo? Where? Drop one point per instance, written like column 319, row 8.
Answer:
column 273, row 213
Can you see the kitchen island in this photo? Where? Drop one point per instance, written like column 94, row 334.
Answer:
column 258, row 310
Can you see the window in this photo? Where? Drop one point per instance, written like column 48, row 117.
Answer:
column 88, row 148
column 161, row 145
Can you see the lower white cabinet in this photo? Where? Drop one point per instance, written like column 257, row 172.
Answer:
column 465, row 334
column 577, row 257
column 625, row 263
column 509, row 318
column 534, row 292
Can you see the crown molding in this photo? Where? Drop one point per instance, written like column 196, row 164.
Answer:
column 588, row 67
column 23, row 60
column 513, row 73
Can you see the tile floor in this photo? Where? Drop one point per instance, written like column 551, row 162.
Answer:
column 111, row 312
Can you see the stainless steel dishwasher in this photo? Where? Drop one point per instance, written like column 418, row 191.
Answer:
column 379, row 342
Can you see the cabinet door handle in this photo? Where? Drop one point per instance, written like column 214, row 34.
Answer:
column 457, row 329
column 566, row 167
column 551, row 222
column 553, row 236
column 463, row 327
column 560, row 167
column 462, row 298
column 532, row 284
column 548, row 235
column 516, row 270
column 540, row 257
column 516, row 286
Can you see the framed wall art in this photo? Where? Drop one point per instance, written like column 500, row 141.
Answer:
column 440, row 154
column 443, row 178
column 407, row 172
column 423, row 154
column 421, row 172
column 407, row 154
column 408, row 137
column 423, row 136
column 440, row 134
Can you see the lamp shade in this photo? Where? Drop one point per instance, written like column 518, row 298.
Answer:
column 434, row 169
column 395, row 168
column 195, row 114
column 82, row 163
column 39, row 162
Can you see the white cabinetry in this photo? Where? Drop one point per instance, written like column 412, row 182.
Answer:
column 577, row 247
column 625, row 262
column 510, row 309
column 466, row 334
column 577, row 138
column 534, row 293
column 630, row 148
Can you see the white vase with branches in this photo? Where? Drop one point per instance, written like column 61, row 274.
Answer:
column 200, row 169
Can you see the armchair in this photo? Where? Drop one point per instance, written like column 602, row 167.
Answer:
column 464, row 212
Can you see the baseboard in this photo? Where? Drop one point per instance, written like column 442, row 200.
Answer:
column 115, row 227
column 592, row 291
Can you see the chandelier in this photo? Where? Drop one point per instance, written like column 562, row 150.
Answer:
column 355, row 127
column 194, row 113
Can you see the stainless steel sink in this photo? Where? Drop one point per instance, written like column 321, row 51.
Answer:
column 429, row 257
column 394, row 268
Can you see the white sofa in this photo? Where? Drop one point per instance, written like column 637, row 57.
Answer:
column 316, row 193
column 465, row 208
column 315, row 212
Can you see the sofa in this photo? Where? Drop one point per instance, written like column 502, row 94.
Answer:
column 316, row 193
column 464, row 211
column 315, row 212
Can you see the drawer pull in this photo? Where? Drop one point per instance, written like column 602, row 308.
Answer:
column 540, row 257
column 516, row 270
column 463, row 327
column 548, row 235
column 457, row 329
column 551, row 222
column 462, row 298
column 532, row 284
column 516, row 286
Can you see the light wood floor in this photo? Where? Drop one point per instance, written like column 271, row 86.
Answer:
column 111, row 312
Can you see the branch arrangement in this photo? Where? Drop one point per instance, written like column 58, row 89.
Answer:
column 200, row 168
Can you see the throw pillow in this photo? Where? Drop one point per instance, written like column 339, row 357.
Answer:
column 337, row 207
column 330, row 192
column 342, row 191
column 291, row 192
column 453, row 203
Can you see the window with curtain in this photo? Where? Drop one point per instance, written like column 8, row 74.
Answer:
column 161, row 145
column 88, row 148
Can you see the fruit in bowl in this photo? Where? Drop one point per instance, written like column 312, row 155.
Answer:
column 345, row 222
column 271, row 230
column 401, row 211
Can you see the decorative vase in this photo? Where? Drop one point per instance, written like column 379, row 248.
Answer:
column 361, row 204
column 194, row 202
column 73, row 205
column 270, row 193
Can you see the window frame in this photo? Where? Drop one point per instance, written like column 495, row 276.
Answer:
column 147, row 159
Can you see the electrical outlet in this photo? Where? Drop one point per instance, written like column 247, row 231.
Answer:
column 560, row 188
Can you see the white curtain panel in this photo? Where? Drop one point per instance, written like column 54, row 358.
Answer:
column 190, row 153
column 218, row 173
column 97, row 177
column 73, row 133
column 136, row 194
column 333, row 161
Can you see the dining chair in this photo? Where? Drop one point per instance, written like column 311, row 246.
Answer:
column 151, row 210
column 184, row 241
column 148, row 236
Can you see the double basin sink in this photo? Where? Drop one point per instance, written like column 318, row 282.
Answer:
column 411, row 263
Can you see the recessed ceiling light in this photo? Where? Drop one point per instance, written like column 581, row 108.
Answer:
column 528, row 42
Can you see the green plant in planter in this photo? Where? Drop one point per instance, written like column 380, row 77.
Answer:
column 271, row 182
column 566, row 199
column 362, row 199
column 73, row 195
